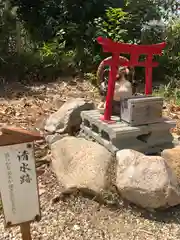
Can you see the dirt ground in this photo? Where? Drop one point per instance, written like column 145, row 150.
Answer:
column 77, row 217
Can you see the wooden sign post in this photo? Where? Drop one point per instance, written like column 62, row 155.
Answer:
column 18, row 180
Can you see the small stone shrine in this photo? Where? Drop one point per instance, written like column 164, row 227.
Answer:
column 139, row 125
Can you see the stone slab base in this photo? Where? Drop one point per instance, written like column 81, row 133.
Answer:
column 149, row 139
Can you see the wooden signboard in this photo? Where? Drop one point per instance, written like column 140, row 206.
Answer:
column 18, row 180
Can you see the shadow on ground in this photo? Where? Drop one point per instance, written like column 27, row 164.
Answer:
column 170, row 215
column 11, row 90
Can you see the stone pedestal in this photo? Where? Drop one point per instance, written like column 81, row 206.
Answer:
column 149, row 138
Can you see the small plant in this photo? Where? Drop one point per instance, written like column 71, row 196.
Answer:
column 170, row 91
column 177, row 96
column 90, row 77
column 113, row 24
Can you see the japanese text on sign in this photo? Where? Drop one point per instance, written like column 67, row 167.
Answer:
column 23, row 158
column 18, row 183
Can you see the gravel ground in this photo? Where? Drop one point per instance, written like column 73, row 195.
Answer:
column 77, row 217
column 83, row 219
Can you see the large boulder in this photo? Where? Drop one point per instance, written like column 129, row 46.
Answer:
column 146, row 180
column 67, row 119
column 81, row 164
column 172, row 157
column 52, row 138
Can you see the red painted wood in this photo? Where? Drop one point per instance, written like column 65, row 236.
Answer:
column 131, row 64
column 114, row 47
column 111, row 86
column 135, row 51
column 148, row 75
column 10, row 136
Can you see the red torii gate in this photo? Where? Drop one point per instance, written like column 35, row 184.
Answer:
column 135, row 51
